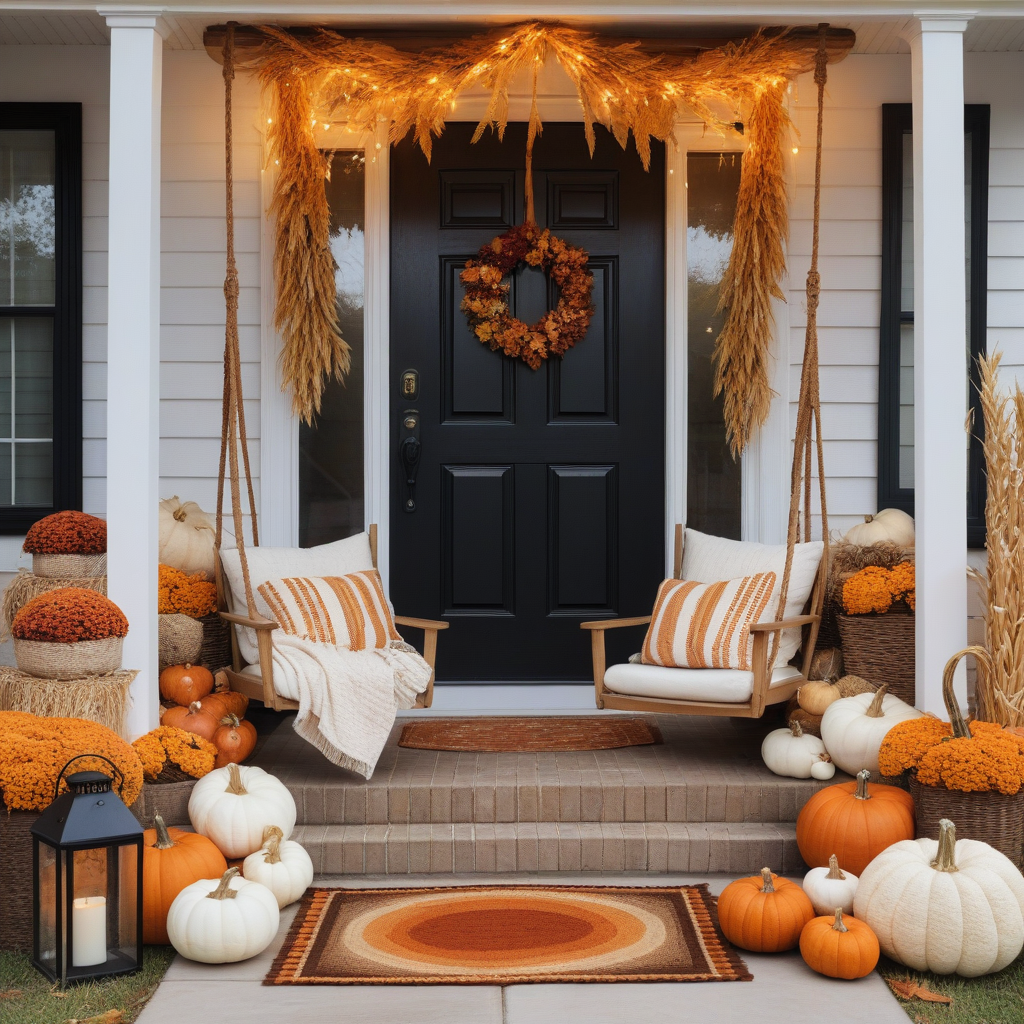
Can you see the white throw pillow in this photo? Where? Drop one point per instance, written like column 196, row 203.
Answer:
column 708, row 559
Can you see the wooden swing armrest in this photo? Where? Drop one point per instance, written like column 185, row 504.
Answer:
column 603, row 624
column 424, row 624
column 430, row 627
column 244, row 620
column 774, row 627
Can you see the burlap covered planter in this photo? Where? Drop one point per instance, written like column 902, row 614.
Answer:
column 69, row 567
column 16, row 878
column 181, row 640
column 68, row 661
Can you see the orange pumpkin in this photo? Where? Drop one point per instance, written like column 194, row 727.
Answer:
column 185, row 683
column 765, row 913
column 839, row 947
column 195, row 718
column 171, row 860
column 855, row 821
column 226, row 703
column 234, row 741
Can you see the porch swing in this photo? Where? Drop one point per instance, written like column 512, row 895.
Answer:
column 739, row 693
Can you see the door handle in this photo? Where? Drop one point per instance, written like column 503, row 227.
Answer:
column 409, row 451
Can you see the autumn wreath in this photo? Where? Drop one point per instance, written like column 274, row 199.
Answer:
column 486, row 300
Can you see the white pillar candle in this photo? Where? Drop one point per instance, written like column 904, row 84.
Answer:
column 89, row 931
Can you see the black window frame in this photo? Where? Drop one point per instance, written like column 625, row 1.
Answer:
column 65, row 120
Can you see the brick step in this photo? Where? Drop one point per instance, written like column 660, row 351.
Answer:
column 527, row 846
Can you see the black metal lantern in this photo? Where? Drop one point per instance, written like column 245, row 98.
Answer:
column 87, row 881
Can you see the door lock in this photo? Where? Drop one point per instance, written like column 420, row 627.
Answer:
column 410, row 385
column 409, row 452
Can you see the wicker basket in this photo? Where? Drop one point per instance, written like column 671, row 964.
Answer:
column 880, row 649
column 16, row 878
column 168, row 799
column 69, row 567
column 47, row 660
column 216, row 650
column 993, row 818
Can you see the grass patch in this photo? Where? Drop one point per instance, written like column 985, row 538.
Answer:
column 39, row 1002
column 993, row 999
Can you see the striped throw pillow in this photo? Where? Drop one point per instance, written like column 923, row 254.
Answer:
column 346, row 611
column 706, row 625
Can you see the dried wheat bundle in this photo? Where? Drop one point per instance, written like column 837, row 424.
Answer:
column 1000, row 696
column 324, row 76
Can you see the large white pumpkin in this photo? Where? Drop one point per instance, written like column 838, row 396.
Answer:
column 221, row 920
column 186, row 536
column 831, row 887
column 280, row 864
column 233, row 806
column 853, row 728
column 793, row 752
column 891, row 524
column 944, row 906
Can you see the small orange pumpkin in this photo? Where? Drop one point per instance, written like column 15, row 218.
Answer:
column 195, row 718
column 839, row 947
column 855, row 821
column 234, row 741
column 765, row 913
column 224, row 703
column 185, row 683
column 171, row 860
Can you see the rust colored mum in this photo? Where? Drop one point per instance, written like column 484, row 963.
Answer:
column 67, row 533
column 69, row 615
column 182, row 594
column 33, row 750
column 192, row 754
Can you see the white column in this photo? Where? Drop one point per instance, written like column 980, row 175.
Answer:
column 940, row 367
column 133, row 347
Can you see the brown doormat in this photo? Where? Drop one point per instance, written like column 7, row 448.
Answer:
column 528, row 734
column 505, row 935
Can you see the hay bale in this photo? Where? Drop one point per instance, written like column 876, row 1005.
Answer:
column 181, row 640
column 103, row 699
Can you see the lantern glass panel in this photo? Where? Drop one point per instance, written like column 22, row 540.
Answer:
column 127, row 903
column 46, row 949
column 91, row 906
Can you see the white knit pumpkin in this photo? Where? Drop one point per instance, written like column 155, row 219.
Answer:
column 233, row 806
column 944, row 906
column 792, row 752
column 186, row 536
column 831, row 887
column 891, row 524
column 853, row 728
column 280, row 864
column 221, row 920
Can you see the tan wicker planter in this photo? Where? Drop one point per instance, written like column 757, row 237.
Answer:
column 168, row 799
column 880, row 649
column 68, row 661
column 16, row 878
column 69, row 567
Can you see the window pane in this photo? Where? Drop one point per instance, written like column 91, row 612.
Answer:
column 27, row 218
column 33, row 473
column 33, row 377
column 907, row 235
column 906, row 405
column 331, row 451
column 713, row 476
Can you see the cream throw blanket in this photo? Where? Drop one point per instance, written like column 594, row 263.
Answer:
column 348, row 699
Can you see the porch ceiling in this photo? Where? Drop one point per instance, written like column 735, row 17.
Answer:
column 63, row 25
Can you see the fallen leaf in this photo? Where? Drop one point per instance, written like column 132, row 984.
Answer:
column 908, row 989
column 10, row 993
column 107, row 1017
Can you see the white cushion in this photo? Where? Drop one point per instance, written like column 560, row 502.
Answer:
column 708, row 559
column 725, row 685
column 338, row 558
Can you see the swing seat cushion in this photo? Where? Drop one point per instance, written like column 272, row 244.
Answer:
column 707, row 559
column 720, row 685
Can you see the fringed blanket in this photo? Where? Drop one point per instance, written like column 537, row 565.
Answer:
column 348, row 699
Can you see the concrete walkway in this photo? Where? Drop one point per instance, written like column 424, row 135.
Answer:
column 784, row 989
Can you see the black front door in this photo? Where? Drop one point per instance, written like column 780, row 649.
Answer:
column 539, row 494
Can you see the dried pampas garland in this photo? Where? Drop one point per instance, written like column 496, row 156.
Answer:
column 370, row 84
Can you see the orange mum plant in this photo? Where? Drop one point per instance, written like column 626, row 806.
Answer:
column 183, row 594
column 184, row 750
column 33, row 750
column 67, row 533
column 979, row 757
column 874, row 589
column 69, row 615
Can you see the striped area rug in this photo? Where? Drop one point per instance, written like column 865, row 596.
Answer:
column 502, row 935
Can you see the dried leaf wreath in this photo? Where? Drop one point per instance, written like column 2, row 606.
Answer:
column 320, row 76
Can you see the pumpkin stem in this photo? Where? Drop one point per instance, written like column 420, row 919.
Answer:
column 163, row 837
column 837, row 924
column 961, row 730
column 869, row 519
column 834, row 871
column 224, row 890
column 945, row 857
column 862, row 785
column 235, row 781
column 272, row 837
column 231, row 720
column 766, row 875
column 794, row 727
column 195, row 707
column 875, row 707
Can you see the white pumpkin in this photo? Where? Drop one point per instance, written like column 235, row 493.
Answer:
column 891, row 524
column 791, row 751
column 853, row 728
column 823, row 769
column 219, row 921
column 280, row 864
column 831, row 887
column 186, row 536
column 944, row 906
column 234, row 805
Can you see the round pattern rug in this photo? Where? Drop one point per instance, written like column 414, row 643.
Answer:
column 504, row 934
